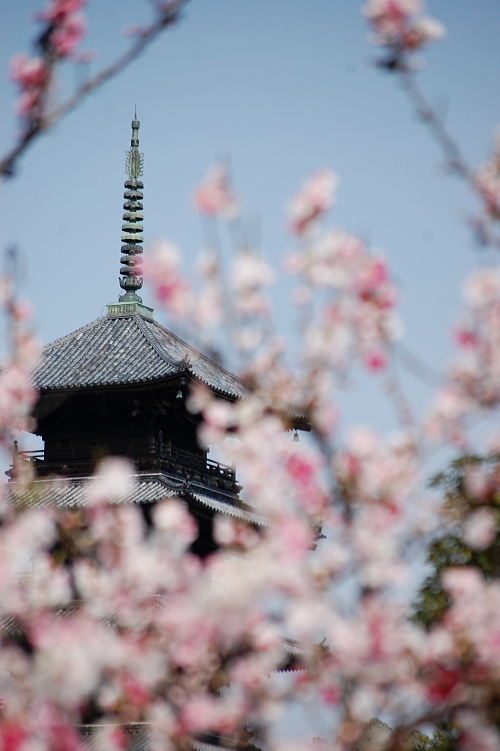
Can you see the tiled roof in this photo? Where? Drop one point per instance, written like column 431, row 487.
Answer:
column 74, row 492
column 147, row 488
column 125, row 350
column 137, row 735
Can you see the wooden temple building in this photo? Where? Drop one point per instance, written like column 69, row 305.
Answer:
column 118, row 386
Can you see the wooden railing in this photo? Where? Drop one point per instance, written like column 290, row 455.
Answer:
column 168, row 456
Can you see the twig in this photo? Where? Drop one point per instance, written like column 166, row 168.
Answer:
column 456, row 162
column 169, row 15
column 395, row 390
column 418, row 367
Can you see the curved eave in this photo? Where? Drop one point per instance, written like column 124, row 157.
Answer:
column 147, row 487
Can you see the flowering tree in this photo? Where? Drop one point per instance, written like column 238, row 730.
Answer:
column 120, row 623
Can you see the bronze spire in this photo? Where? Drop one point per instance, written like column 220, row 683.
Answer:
column 131, row 270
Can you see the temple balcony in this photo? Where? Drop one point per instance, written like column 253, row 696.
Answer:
column 77, row 461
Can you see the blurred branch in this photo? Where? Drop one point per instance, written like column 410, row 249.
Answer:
column 168, row 15
column 455, row 160
column 418, row 367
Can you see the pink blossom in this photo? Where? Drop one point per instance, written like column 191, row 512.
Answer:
column 229, row 531
column 443, row 682
column 465, row 338
column 113, row 481
column 215, row 196
column 375, row 360
column 69, row 34
column 13, row 735
column 474, row 379
column 250, row 271
column 314, row 199
column 373, row 274
column 172, row 517
column 296, row 537
column 480, row 528
column 397, row 24
column 330, row 695
column 487, row 181
column 373, row 285
column 31, row 76
column 28, row 72
column 251, row 275
column 391, row 16
column 477, row 734
column 162, row 268
column 59, row 10
column 462, row 582
column 200, row 713
column 482, row 287
column 425, row 31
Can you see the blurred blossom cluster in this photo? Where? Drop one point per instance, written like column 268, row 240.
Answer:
column 17, row 392
column 64, row 27
column 363, row 658
column 487, row 179
column 401, row 27
column 473, row 382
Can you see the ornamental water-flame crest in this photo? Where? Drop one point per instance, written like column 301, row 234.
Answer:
column 134, row 163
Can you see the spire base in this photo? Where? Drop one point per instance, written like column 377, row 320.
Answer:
column 128, row 308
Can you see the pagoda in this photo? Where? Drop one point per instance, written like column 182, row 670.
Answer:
column 118, row 387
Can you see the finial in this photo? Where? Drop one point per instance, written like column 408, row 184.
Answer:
column 131, row 262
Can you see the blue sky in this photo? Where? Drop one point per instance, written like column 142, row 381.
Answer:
column 281, row 87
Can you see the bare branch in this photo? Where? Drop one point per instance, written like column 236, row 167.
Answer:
column 169, row 14
column 455, row 160
column 418, row 367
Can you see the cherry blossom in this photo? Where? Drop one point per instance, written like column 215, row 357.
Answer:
column 65, row 27
column 69, row 34
column 59, row 10
column 67, row 24
column 473, row 381
column 162, row 266
column 31, row 75
column 314, row 199
column 215, row 196
column 487, row 181
column 480, row 529
column 399, row 24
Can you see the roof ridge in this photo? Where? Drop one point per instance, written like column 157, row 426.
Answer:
column 76, row 331
column 139, row 321
column 197, row 352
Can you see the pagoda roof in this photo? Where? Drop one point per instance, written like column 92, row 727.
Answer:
column 147, row 487
column 127, row 349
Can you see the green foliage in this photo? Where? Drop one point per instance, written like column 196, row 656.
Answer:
column 451, row 550
column 460, row 500
column 444, row 738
